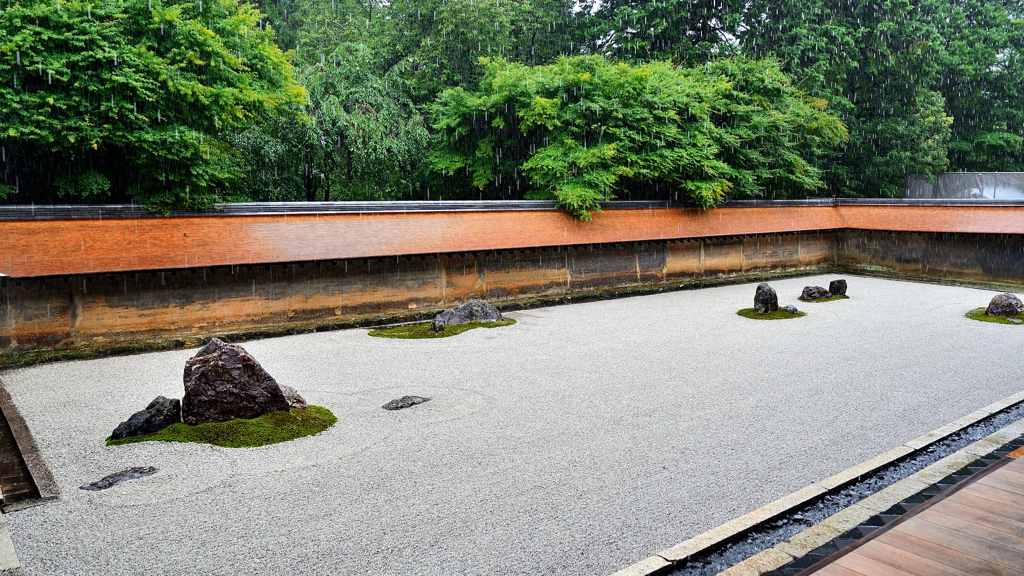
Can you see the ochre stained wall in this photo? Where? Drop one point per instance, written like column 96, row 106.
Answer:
column 134, row 306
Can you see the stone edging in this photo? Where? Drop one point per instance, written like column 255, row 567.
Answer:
column 45, row 483
column 815, row 536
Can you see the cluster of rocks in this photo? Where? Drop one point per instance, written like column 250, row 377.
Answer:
column 474, row 310
column 1005, row 304
column 766, row 300
column 835, row 288
column 222, row 382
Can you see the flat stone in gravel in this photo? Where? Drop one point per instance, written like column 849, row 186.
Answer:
column 580, row 440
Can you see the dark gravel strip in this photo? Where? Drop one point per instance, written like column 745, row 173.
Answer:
column 772, row 533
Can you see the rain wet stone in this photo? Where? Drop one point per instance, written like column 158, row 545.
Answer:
column 814, row 293
column 766, row 300
column 405, row 402
column 118, row 477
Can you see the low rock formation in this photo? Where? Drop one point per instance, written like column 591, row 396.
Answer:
column 1004, row 304
column 160, row 414
column 815, row 293
column 224, row 382
column 295, row 402
column 791, row 309
column 765, row 299
column 405, row 402
column 473, row 310
column 129, row 474
column 837, row 287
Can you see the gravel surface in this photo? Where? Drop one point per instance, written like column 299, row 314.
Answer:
column 577, row 441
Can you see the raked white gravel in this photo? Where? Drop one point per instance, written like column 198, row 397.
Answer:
column 574, row 442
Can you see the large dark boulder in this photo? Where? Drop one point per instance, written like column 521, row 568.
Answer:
column 473, row 310
column 224, row 382
column 1004, row 304
column 765, row 299
column 815, row 293
column 837, row 287
column 161, row 413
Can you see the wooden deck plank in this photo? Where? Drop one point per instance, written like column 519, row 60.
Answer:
column 973, row 514
column 971, row 546
column 1002, row 482
column 989, row 506
column 907, row 561
column 1015, row 475
column 941, row 554
column 976, row 529
column 996, row 494
column 869, row 567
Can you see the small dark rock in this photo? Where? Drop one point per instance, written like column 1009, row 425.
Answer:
column 837, row 287
column 1004, row 304
column 160, row 414
column 790, row 308
column 815, row 293
column 224, row 382
column 473, row 310
column 129, row 474
column 765, row 299
column 405, row 402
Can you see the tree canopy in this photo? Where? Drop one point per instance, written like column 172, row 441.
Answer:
column 124, row 99
column 182, row 104
column 583, row 129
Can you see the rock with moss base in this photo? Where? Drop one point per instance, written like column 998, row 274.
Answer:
column 766, row 300
column 791, row 309
column 159, row 414
column 474, row 310
column 224, row 382
column 815, row 293
column 1004, row 304
column 837, row 287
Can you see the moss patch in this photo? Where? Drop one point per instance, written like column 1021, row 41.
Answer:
column 829, row 299
column 979, row 314
column 241, row 433
column 423, row 330
column 779, row 314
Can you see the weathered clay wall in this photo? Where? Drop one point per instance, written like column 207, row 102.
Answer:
column 107, row 309
column 991, row 259
column 83, row 282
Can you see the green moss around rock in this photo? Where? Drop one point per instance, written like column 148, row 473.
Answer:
column 241, row 433
column 829, row 299
column 423, row 330
column 779, row 314
column 979, row 314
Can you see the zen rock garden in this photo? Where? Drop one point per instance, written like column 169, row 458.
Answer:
column 223, row 383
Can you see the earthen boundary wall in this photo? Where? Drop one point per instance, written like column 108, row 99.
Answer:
column 78, row 286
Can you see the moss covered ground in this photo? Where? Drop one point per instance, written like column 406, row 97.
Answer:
column 979, row 314
column 241, row 433
column 423, row 330
column 779, row 314
column 829, row 299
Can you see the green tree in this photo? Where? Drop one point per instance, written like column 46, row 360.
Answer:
column 126, row 99
column 361, row 138
column 584, row 129
column 690, row 31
